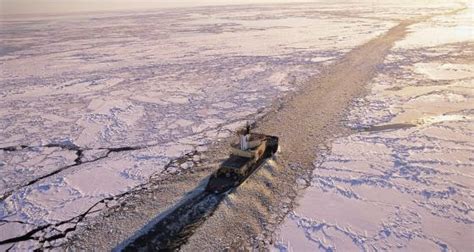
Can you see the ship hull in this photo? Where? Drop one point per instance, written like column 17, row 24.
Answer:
column 219, row 182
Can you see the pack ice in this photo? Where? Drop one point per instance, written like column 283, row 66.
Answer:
column 95, row 104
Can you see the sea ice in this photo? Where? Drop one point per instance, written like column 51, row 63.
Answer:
column 134, row 91
column 408, row 188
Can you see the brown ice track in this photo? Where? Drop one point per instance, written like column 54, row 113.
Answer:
column 306, row 123
column 314, row 115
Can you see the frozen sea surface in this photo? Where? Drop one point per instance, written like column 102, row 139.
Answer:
column 93, row 105
column 405, row 180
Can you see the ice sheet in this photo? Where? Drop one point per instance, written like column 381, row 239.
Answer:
column 94, row 105
column 400, row 188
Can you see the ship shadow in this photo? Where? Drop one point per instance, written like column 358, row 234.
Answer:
column 172, row 228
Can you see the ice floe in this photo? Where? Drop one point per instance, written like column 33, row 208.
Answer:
column 405, row 180
column 132, row 92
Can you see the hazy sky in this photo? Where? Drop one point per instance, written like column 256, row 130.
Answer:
column 8, row 7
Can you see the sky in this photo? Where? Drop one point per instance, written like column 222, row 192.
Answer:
column 11, row 7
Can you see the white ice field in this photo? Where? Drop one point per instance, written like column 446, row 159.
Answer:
column 408, row 183
column 94, row 104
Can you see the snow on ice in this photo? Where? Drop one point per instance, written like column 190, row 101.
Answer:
column 93, row 105
column 405, row 180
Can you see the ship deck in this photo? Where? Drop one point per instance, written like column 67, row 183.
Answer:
column 235, row 162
